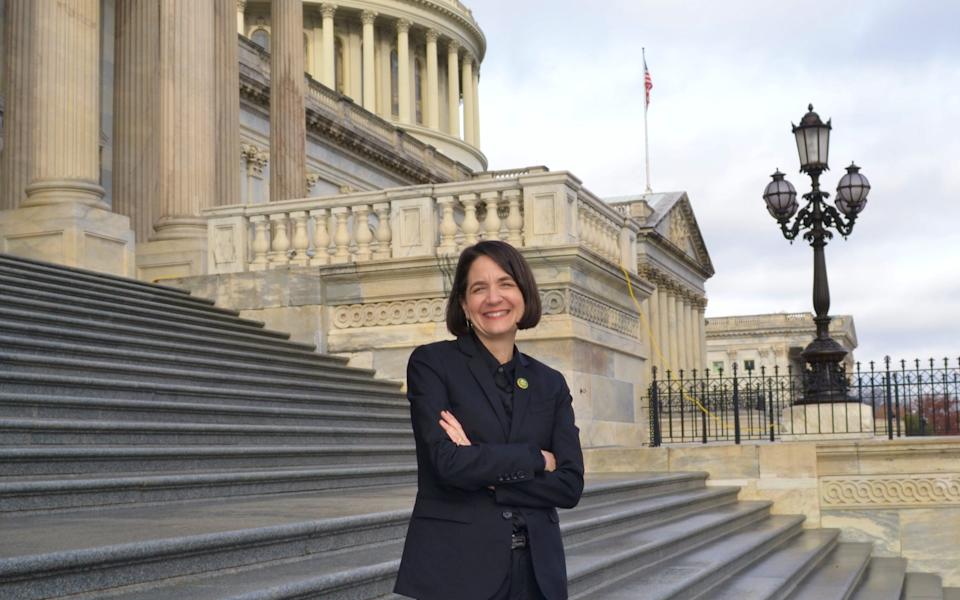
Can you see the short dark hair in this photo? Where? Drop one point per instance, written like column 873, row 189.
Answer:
column 512, row 262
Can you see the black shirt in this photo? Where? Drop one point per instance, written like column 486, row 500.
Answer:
column 504, row 376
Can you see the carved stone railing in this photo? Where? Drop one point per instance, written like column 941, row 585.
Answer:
column 540, row 209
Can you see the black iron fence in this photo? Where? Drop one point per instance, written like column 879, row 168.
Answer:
column 887, row 400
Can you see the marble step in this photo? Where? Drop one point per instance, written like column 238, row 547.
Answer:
column 162, row 542
column 239, row 544
column 47, row 461
column 54, row 326
column 56, row 432
column 212, row 364
column 84, row 408
column 883, row 580
column 134, row 315
column 837, row 576
column 39, row 288
column 56, row 494
column 76, row 384
column 81, row 278
column 611, row 488
column 591, row 566
column 922, row 586
column 777, row 573
column 699, row 570
column 134, row 340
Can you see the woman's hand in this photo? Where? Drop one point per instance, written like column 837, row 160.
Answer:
column 550, row 461
column 453, row 428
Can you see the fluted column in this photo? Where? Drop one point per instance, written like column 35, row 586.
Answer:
column 469, row 133
column 241, row 24
column 663, row 300
column 136, row 115
column 674, row 362
column 403, row 69
column 288, row 131
column 682, row 335
column 65, row 163
column 453, row 88
column 227, row 104
column 476, row 106
column 433, row 82
column 18, row 109
column 653, row 320
column 328, row 76
column 702, row 336
column 369, row 70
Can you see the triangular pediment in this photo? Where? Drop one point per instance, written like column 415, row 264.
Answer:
column 674, row 220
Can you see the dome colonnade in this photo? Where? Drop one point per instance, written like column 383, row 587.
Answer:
column 408, row 61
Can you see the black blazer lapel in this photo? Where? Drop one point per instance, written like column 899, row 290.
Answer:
column 481, row 373
column 521, row 397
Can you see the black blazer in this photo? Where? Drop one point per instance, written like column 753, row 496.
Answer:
column 458, row 541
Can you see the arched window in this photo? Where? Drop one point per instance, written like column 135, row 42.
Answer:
column 394, row 84
column 418, row 88
column 261, row 37
column 339, row 80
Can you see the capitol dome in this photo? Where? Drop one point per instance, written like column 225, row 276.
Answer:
column 411, row 62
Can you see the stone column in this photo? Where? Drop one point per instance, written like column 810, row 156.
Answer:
column 18, row 22
column 187, row 175
column 136, row 115
column 453, row 88
column 227, row 104
column 65, row 165
column 241, row 21
column 683, row 361
column 663, row 300
column 433, row 82
column 328, row 76
column 369, row 70
column 673, row 363
column 653, row 320
column 64, row 200
column 476, row 106
column 288, row 131
column 702, row 334
column 403, row 69
column 469, row 133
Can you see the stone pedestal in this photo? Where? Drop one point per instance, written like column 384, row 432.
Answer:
column 839, row 420
column 167, row 259
column 75, row 234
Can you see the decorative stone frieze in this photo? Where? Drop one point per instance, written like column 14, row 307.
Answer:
column 604, row 315
column 886, row 490
column 376, row 314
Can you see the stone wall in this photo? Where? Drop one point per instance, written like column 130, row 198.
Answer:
column 902, row 495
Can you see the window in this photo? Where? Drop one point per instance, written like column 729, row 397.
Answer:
column 261, row 38
column 748, row 365
column 394, row 84
column 339, row 83
column 418, row 87
column 718, row 365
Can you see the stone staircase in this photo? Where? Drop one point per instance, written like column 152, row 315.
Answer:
column 153, row 446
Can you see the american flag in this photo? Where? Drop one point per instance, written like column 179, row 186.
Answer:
column 647, row 80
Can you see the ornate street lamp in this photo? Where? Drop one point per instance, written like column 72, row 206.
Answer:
column 824, row 379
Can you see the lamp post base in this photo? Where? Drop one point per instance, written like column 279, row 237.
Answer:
column 824, row 379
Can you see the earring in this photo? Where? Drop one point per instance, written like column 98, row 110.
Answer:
column 469, row 324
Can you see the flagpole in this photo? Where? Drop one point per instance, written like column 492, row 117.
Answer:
column 646, row 105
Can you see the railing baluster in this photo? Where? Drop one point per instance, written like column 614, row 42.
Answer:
column 362, row 234
column 514, row 219
column 470, row 225
column 448, row 226
column 384, row 232
column 341, row 237
column 300, row 240
column 321, row 237
column 261, row 242
column 281, row 241
column 491, row 222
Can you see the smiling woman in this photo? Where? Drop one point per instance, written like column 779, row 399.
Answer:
column 497, row 447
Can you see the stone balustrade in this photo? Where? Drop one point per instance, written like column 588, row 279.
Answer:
column 531, row 208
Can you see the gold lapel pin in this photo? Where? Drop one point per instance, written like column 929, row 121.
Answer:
column 522, row 383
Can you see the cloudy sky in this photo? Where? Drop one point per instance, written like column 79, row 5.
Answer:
column 562, row 86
